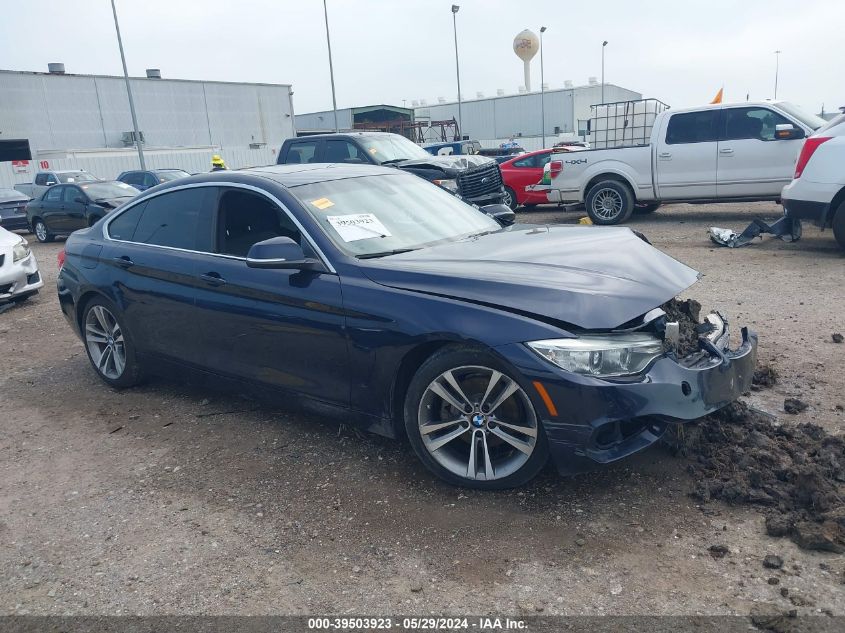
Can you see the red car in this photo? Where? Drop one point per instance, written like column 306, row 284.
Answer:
column 520, row 171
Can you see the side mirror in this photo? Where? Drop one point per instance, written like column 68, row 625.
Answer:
column 50, row 183
column 80, row 200
column 787, row 131
column 502, row 213
column 281, row 253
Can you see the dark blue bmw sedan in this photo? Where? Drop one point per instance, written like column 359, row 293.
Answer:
column 374, row 294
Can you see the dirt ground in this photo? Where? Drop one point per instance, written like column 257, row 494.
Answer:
column 164, row 499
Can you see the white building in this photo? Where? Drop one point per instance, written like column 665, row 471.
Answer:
column 493, row 120
column 83, row 121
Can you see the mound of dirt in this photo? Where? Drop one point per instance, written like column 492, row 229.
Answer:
column 796, row 474
column 765, row 376
column 686, row 312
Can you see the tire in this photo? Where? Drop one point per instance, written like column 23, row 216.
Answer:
column 443, row 437
column 42, row 233
column 102, row 330
column 643, row 209
column 510, row 198
column 609, row 202
column 839, row 225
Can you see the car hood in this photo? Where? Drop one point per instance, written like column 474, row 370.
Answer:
column 449, row 163
column 594, row 278
column 113, row 203
column 7, row 239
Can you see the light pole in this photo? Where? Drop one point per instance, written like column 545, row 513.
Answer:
column 331, row 68
column 603, row 45
column 542, row 91
column 129, row 91
column 455, row 9
column 777, row 68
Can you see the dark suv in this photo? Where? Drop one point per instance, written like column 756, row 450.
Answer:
column 143, row 180
column 476, row 179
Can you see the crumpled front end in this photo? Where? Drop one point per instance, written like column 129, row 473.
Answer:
column 591, row 421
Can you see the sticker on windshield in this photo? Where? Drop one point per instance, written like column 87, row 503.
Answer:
column 322, row 203
column 359, row 226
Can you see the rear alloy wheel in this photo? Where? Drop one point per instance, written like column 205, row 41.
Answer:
column 472, row 424
column 839, row 225
column 42, row 233
column 108, row 345
column 609, row 202
column 509, row 198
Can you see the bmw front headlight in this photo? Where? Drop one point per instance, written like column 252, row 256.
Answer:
column 603, row 355
column 20, row 250
column 451, row 185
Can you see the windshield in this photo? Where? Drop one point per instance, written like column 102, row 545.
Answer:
column 837, row 120
column 77, row 176
column 379, row 214
column 392, row 147
column 171, row 174
column 108, row 190
column 810, row 120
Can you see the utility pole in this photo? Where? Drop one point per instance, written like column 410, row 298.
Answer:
column 331, row 68
column 455, row 9
column 603, row 45
column 777, row 68
column 129, row 91
column 542, row 92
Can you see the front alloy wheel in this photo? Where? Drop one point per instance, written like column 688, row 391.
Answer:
column 475, row 426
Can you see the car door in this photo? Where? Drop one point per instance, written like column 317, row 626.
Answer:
column 524, row 172
column 282, row 328
column 686, row 161
column 50, row 208
column 152, row 250
column 753, row 161
column 73, row 211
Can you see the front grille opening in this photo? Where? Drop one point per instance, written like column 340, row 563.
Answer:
column 615, row 433
column 471, row 184
column 4, row 288
column 33, row 278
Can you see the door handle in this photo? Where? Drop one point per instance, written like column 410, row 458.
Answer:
column 123, row 261
column 665, row 155
column 727, row 150
column 213, row 279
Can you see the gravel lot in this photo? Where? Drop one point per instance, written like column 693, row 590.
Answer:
column 165, row 499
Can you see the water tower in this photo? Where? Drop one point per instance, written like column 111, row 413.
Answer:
column 525, row 45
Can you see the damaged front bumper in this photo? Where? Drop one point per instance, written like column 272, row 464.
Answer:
column 592, row 421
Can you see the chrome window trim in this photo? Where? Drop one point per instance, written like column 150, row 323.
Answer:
column 195, row 185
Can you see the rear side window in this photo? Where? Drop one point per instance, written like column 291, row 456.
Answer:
column 172, row 219
column 54, row 194
column 693, row 127
column 123, row 226
column 302, row 152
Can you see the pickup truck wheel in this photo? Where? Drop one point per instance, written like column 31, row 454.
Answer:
column 41, row 231
column 609, row 202
column 839, row 225
column 509, row 198
column 642, row 209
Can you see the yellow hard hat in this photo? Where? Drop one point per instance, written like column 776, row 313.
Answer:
column 216, row 160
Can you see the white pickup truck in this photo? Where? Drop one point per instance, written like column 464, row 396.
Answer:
column 713, row 153
column 46, row 179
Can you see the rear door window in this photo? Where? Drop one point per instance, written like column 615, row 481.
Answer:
column 302, row 152
column 173, row 219
column 54, row 194
column 693, row 127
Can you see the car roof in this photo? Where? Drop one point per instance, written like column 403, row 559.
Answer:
column 296, row 175
column 343, row 135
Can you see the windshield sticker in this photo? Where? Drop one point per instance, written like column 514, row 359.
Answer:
column 322, row 203
column 359, row 226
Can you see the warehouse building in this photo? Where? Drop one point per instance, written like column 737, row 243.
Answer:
column 386, row 118
column 494, row 120
column 84, row 121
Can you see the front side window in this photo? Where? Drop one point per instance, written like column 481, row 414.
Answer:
column 301, row 152
column 70, row 195
column 339, row 151
column 374, row 215
column 752, row 123
column 693, row 127
column 132, row 177
column 41, row 179
column 149, row 180
column 245, row 218
column 172, row 219
column 171, row 174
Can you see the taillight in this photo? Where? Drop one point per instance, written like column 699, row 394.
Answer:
column 810, row 147
column 555, row 167
column 60, row 258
